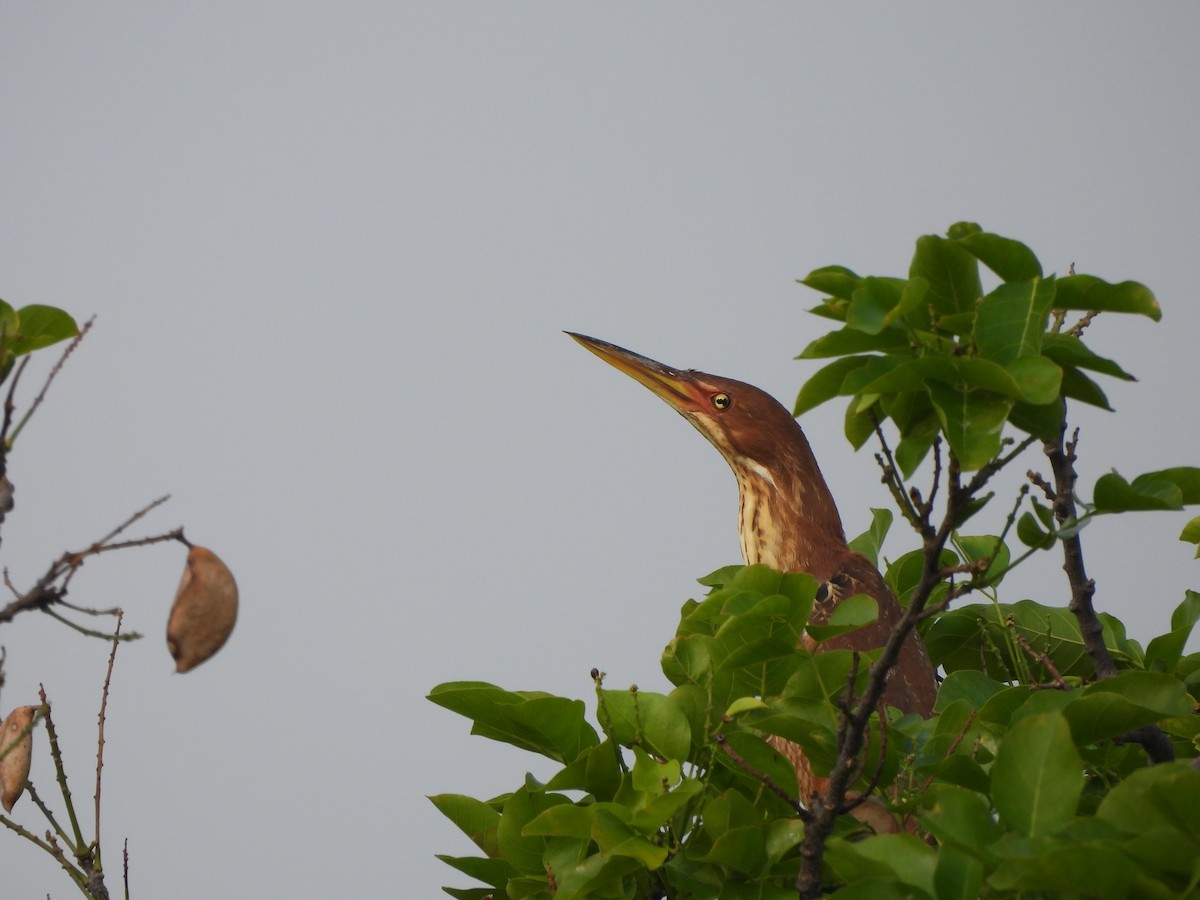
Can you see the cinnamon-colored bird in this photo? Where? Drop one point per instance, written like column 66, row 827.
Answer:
column 786, row 515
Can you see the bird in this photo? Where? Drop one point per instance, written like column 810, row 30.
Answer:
column 787, row 516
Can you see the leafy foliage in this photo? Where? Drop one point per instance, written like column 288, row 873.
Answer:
column 31, row 328
column 935, row 356
column 1029, row 779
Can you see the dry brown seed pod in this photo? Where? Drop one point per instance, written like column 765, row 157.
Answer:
column 205, row 610
column 14, row 767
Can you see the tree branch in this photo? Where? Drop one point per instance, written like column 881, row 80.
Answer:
column 1061, row 454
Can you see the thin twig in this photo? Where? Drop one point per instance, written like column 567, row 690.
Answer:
column 1042, row 658
column 766, row 780
column 873, row 782
column 77, row 842
column 1036, row 479
column 112, row 658
column 46, row 811
column 984, row 475
column 45, row 592
column 89, row 632
column 37, row 401
column 9, row 400
column 895, row 484
column 1077, row 329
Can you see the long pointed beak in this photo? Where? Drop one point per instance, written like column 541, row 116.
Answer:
column 668, row 383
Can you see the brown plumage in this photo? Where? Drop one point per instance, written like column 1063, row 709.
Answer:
column 787, row 517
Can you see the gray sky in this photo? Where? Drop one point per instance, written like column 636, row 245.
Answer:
column 331, row 253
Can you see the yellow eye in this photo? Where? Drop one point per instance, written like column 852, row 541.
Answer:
column 722, row 401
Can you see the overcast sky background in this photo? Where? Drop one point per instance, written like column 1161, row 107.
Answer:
column 331, row 252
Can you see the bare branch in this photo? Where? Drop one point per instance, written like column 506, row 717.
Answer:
column 895, row 484
column 1061, row 454
column 47, row 592
column 1036, row 479
column 112, row 658
column 37, row 401
column 77, row 841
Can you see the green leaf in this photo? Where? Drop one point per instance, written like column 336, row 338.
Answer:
column 763, row 758
column 616, row 838
column 1012, row 319
column 8, row 326
column 1114, row 494
column 857, row 425
column 1031, row 533
column 959, row 875
column 877, row 376
column 521, row 808
column 831, row 308
column 870, row 865
column 870, row 542
column 976, row 634
column 1187, row 613
column 850, row 341
column 912, row 300
column 721, row 576
column 1068, row 350
column 1037, row 778
column 549, row 725
column 851, row 614
column 1125, row 702
column 898, row 375
column 1042, row 421
column 474, row 818
column 1010, row 259
column 838, row 281
column 1165, row 796
column 565, row 820
column 951, row 271
column 827, row 383
column 914, row 447
column 1078, row 386
column 1186, row 478
column 1077, row 869
column 972, row 422
column 1191, row 534
column 1165, row 650
column 642, row 718
column 41, row 326
column 988, row 546
column 495, row 872
column 1087, row 292
column 872, row 303
column 973, row 687
column 1038, row 379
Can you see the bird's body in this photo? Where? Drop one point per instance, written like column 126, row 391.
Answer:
column 787, row 516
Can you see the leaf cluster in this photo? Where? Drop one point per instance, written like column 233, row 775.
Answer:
column 1034, row 776
column 31, row 328
column 936, row 356
column 684, row 794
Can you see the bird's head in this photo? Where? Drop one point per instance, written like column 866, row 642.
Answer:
column 748, row 426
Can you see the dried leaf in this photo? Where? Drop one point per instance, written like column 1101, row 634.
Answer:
column 15, row 752
column 205, row 610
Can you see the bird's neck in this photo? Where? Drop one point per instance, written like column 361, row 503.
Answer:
column 787, row 517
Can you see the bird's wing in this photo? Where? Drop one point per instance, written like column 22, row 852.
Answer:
column 912, row 685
